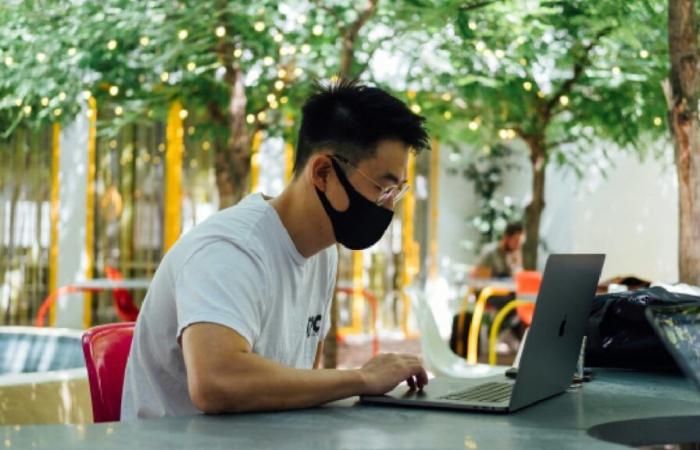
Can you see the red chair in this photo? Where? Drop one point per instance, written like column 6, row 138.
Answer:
column 106, row 349
column 124, row 304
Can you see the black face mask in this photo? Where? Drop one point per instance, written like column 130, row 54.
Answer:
column 363, row 223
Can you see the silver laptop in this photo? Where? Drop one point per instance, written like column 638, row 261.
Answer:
column 549, row 355
column 679, row 330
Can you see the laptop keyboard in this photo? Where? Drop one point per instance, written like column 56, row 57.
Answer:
column 487, row 392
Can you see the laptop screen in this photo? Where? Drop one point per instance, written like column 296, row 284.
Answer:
column 679, row 328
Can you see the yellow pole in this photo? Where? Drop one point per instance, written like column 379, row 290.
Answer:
column 411, row 249
column 255, row 161
column 358, row 285
column 90, row 209
column 288, row 162
column 434, row 209
column 173, row 176
column 54, row 215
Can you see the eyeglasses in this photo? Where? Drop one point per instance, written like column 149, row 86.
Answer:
column 391, row 194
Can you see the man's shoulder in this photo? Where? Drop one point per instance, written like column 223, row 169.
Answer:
column 489, row 249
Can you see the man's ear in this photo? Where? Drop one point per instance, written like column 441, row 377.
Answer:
column 319, row 168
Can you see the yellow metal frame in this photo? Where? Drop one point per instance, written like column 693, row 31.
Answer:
column 496, row 326
column 54, row 214
column 90, row 209
column 475, row 326
column 411, row 248
column 288, row 162
column 173, row 177
column 434, row 209
column 255, row 161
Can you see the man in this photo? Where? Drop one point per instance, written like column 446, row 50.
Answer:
column 504, row 257
column 236, row 314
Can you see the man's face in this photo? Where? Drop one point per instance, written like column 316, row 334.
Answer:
column 387, row 168
column 513, row 242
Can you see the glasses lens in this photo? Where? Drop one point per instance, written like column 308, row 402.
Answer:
column 392, row 194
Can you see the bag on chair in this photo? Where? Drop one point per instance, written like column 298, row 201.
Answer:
column 619, row 334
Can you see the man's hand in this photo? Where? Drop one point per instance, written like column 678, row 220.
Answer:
column 384, row 372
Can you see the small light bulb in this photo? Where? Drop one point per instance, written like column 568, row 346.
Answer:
column 27, row 110
column 298, row 71
column 41, row 57
column 271, row 98
column 268, row 60
column 249, row 118
column 9, row 61
column 113, row 90
column 278, row 38
column 237, row 53
column 447, row 115
column 72, row 51
column 183, row 114
column 112, row 44
column 317, row 30
column 415, row 108
column 118, row 110
column 191, row 66
column 281, row 73
column 182, row 34
column 564, row 100
column 259, row 26
column 306, row 48
column 45, row 101
column 527, row 86
column 658, row 121
column 164, row 77
column 279, row 85
column 57, row 112
column 144, row 41
column 262, row 116
column 644, row 54
column 220, row 31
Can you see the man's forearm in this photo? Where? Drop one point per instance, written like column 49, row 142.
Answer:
column 253, row 383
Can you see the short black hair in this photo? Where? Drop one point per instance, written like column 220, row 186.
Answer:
column 351, row 119
column 514, row 228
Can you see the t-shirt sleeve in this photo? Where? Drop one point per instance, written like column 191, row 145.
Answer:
column 332, row 272
column 222, row 284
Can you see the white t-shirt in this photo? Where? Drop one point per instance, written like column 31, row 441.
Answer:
column 240, row 269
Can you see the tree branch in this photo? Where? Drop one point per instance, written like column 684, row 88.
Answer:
column 476, row 5
column 579, row 67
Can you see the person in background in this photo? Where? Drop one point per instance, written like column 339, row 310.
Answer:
column 504, row 257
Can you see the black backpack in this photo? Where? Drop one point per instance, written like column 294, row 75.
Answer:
column 619, row 334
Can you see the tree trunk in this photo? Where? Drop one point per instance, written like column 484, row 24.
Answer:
column 348, row 37
column 682, row 97
column 533, row 212
column 232, row 160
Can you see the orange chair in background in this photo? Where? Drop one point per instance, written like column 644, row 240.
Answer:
column 527, row 285
column 106, row 349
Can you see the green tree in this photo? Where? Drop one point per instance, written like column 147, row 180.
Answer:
column 554, row 74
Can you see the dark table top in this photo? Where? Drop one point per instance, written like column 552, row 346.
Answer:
column 558, row 423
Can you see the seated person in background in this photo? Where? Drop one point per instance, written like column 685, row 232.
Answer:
column 235, row 317
column 502, row 258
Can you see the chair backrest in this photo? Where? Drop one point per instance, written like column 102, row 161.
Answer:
column 436, row 353
column 124, row 304
column 527, row 284
column 106, row 349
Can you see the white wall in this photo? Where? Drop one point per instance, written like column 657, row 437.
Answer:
column 631, row 215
